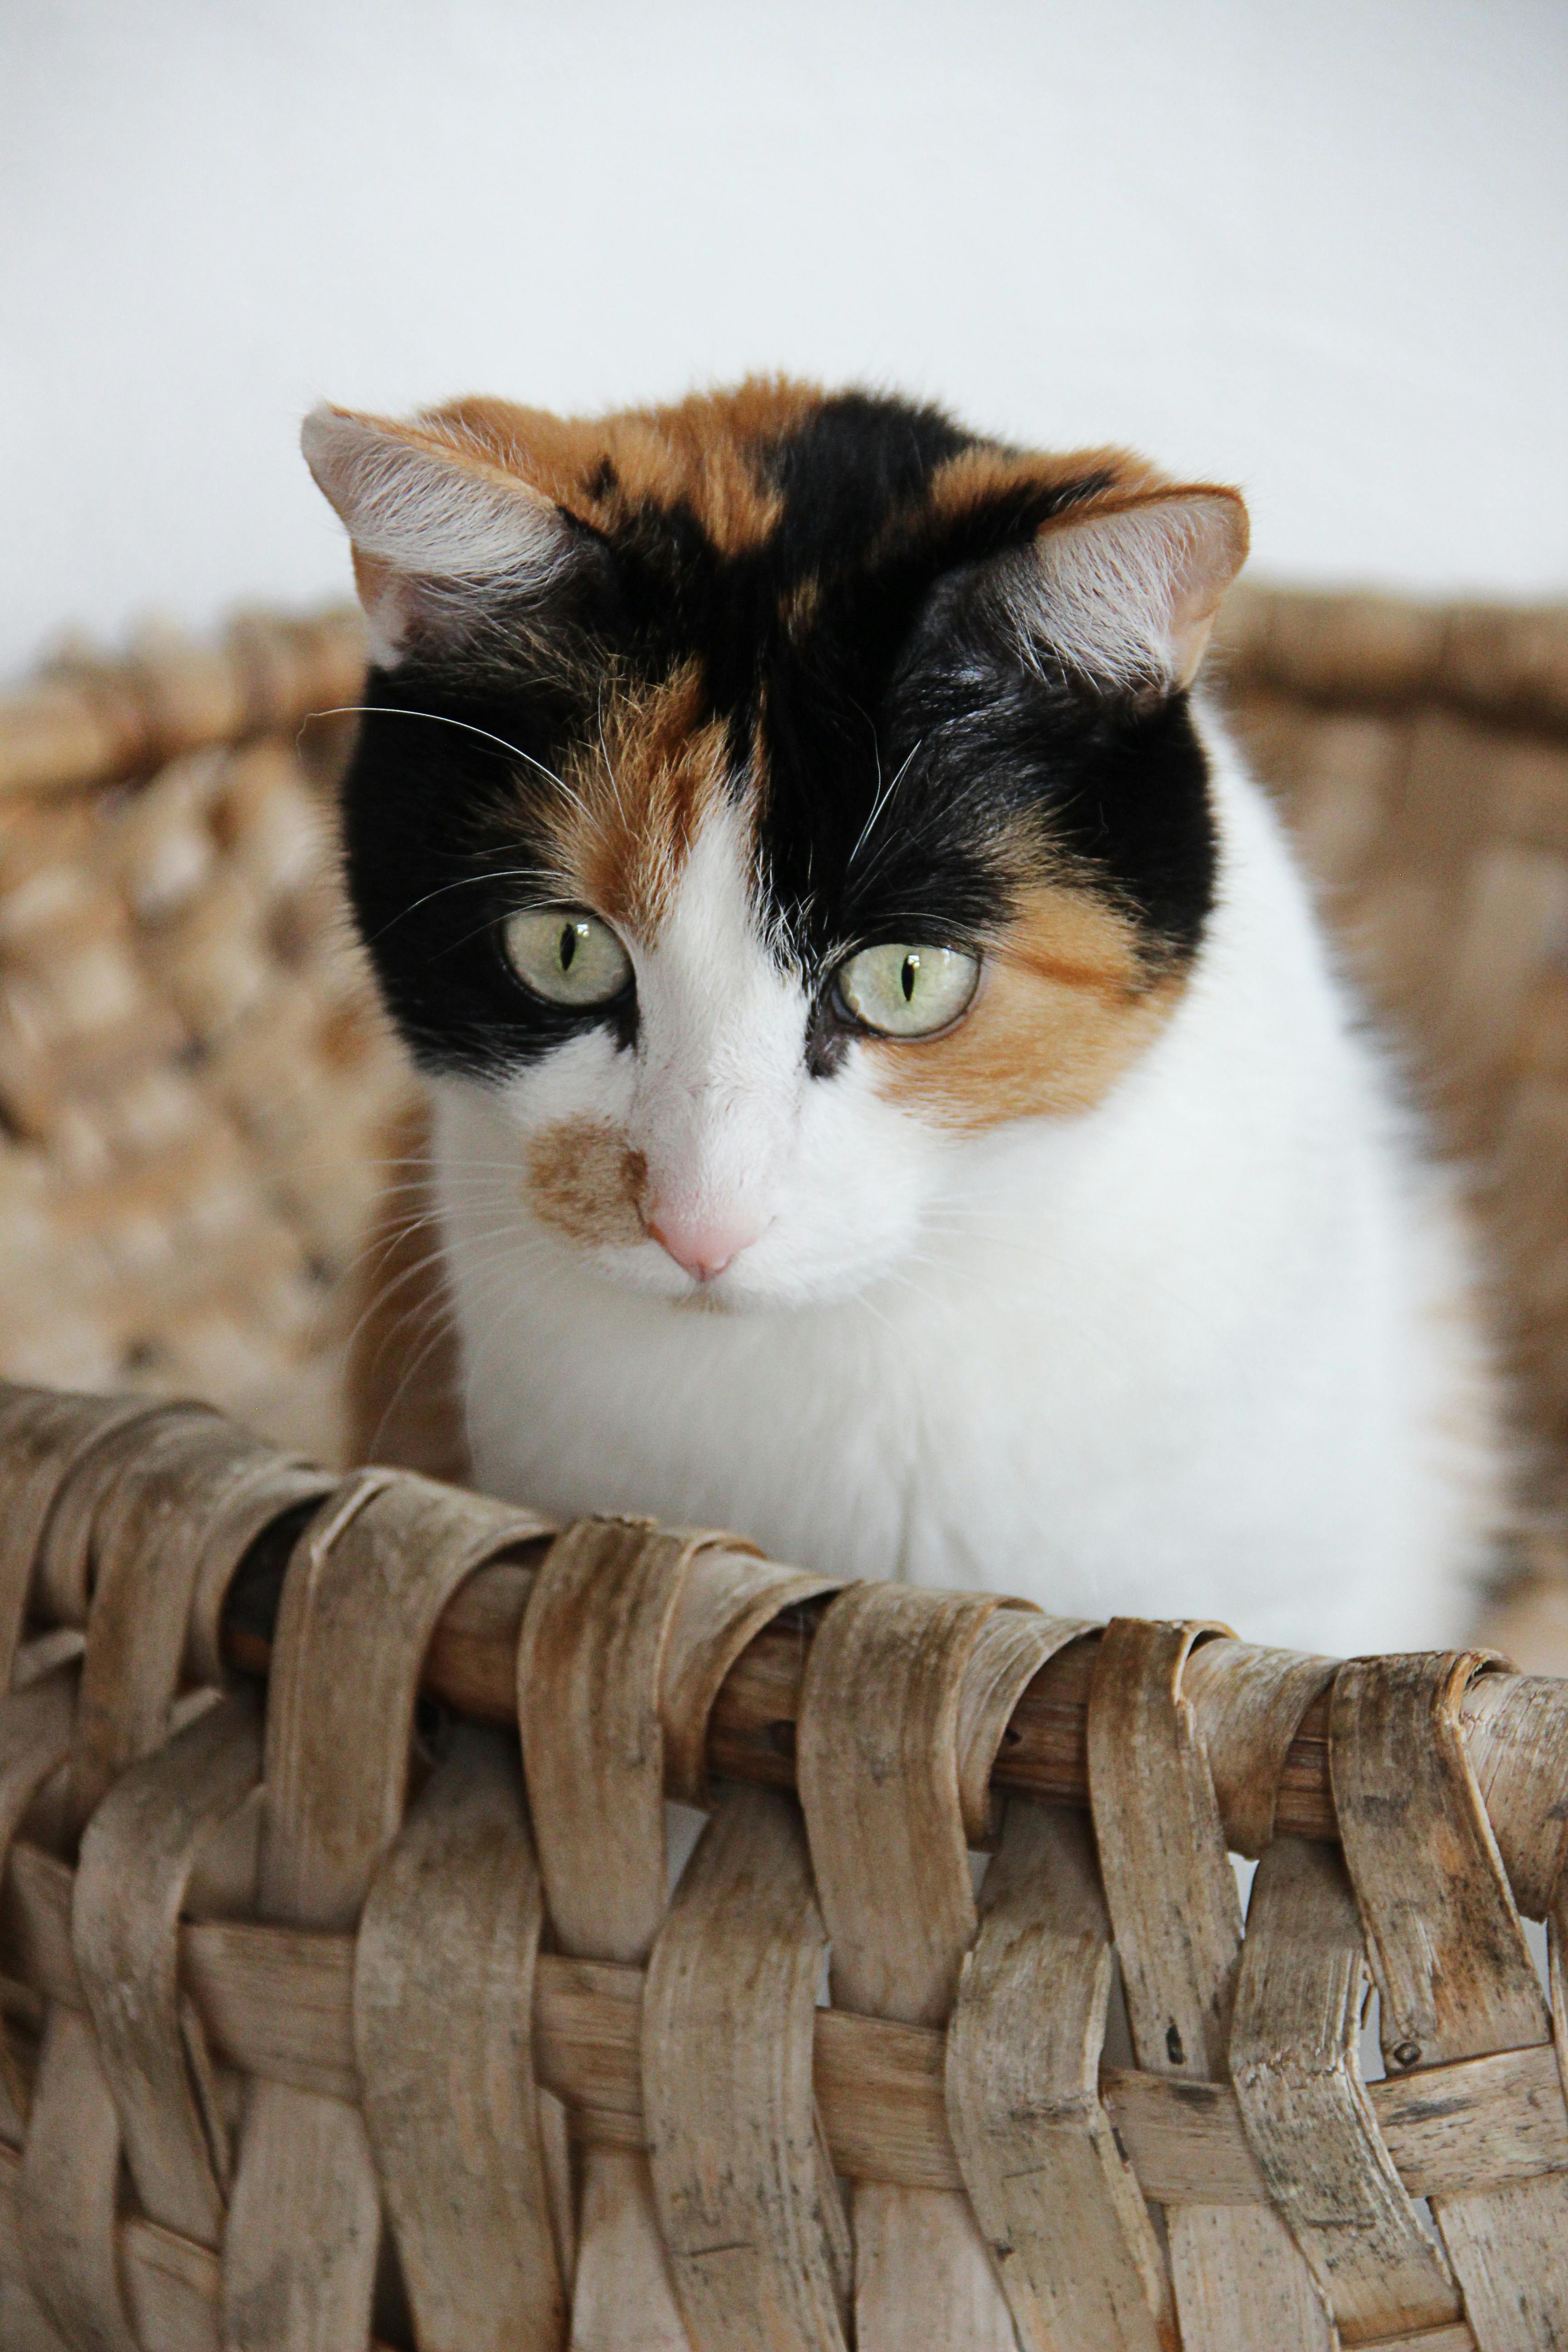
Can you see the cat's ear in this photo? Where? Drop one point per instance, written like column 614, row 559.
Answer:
column 441, row 535
column 1128, row 593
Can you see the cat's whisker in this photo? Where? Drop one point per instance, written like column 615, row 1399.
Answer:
column 866, row 1304
column 437, row 719
column 443, row 1318
column 609, row 763
column 443, row 719
column 464, row 882
column 884, row 795
column 445, row 1325
column 390, row 1288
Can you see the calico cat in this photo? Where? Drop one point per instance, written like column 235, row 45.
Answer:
column 890, row 1093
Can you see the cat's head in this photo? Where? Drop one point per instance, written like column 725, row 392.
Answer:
column 761, row 798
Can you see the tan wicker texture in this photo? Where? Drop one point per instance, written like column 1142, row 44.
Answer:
column 316, row 2027
column 193, row 1079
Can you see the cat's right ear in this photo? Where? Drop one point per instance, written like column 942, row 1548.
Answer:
column 1125, row 590
column 442, row 536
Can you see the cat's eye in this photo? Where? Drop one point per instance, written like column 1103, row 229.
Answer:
column 567, row 956
column 908, row 992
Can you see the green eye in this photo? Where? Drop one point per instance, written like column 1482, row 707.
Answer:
column 566, row 956
column 909, row 992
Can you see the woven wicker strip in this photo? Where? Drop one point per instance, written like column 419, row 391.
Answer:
column 588, row 1700
column 35, row 1728
column 68, row 2194
column 377, row 1568
column 626, row 1641
column 254, row 2034
column 1293, row 2060
column 1051, row 2185
column 137, row 1859
column 879, row 1780
column 746, row 2198
column 1454, row 1975
column 41, row 1434
column 442, row 1995
column 1240, row 2284
column 137, row 1633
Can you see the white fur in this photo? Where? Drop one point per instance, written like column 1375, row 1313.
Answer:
column 420, row 516
column 1132, row 595
column 1207, row 1349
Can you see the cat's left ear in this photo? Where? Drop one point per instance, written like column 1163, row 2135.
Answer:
column 442, row 534
column 1127, row 594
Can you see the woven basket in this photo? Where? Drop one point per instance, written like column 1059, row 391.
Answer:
column 315, row 2028
column 195, row 1083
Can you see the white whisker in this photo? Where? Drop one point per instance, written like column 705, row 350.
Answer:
column 884, row 795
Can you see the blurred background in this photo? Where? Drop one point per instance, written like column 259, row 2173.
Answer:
column 1315, row 247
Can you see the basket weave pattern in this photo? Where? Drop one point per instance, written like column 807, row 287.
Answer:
column 195, row 1080
column 280, row 1971
column 1422, row 757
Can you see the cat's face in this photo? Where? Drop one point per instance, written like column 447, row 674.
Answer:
column 762, row 799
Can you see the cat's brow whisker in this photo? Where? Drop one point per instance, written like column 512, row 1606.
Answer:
column 464, row 882
column 437, row 719
column 884, row 795
column 441, row 719
column 609, row 763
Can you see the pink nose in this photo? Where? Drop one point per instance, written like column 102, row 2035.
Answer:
column 702, row 1248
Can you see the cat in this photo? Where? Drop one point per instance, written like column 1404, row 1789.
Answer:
column 890, row 1093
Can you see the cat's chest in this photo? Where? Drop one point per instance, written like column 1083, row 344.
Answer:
column 988, row 1428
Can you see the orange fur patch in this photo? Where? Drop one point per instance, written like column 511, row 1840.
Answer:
column 1065, row 1006
column 703, row 453
column 622, row 832
column 965, row 481
column 581, row 1180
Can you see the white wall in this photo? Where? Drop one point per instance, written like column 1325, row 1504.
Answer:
column 1318, row 248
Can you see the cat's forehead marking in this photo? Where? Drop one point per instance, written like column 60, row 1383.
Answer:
column 636, row 797
column 704, row 456
column 1066, row 1003
column 983, row 477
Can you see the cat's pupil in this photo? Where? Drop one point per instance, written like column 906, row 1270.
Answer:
column 908, row 975
column 568, row 946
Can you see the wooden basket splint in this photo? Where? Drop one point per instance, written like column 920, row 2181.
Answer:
column 334, row 2011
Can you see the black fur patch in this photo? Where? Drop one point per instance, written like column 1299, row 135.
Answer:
column 914, row 770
